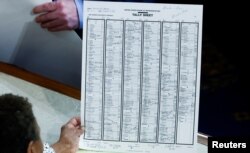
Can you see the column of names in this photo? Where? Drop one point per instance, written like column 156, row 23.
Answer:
column 132, row 80
column 94, row 80
column 113, row 80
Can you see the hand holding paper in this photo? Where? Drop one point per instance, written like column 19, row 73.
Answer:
column 69, row 138
column 58, row 15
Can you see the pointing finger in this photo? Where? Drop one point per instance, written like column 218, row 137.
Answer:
column 46, row 7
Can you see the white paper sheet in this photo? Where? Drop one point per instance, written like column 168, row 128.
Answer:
column 141, row 77
column 56, row 55
column 14, row 14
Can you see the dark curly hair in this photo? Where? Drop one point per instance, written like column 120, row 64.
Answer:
column 18, row 125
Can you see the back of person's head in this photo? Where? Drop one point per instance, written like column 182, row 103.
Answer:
column 18, row 125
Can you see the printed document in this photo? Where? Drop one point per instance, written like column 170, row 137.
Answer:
column 140, row 77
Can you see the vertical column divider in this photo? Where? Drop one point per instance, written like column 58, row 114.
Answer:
column 141, row 80
column 178, row 83
column 159, row 88
column 104, row 73
column 122, row 79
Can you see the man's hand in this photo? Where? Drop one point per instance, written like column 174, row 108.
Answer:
column 58, row 15
column 69, row 138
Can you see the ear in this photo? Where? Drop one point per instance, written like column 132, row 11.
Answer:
column 31, row 147
column 35, row 146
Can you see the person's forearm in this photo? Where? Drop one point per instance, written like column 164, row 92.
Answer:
column 61, row 148
column 58, row 147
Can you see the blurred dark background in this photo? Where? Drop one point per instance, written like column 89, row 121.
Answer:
column 224, row 96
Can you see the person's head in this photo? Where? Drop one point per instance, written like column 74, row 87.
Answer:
column 19, row 131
